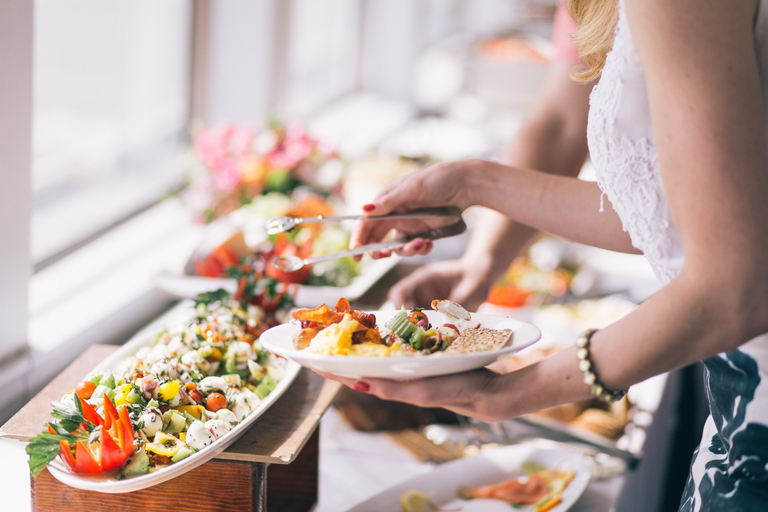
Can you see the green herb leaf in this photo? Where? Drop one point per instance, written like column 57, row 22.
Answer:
column 214, row 296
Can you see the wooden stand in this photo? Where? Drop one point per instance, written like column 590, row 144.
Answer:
column 283, row 443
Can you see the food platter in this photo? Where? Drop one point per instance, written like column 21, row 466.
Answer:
column 487, row 468
column 109, row 483
column 279, row 340
column 186, row 286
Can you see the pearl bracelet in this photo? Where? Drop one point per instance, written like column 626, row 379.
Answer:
column 590, row 377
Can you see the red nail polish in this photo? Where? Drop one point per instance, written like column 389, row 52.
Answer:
column 418, row 244
column 369, row 207
column 362, row 386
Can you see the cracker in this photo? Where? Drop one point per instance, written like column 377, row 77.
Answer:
column 479, row 339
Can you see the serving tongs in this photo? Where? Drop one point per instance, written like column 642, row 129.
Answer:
column 293, row 263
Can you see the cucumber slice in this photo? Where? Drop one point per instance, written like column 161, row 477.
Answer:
column 400, row 325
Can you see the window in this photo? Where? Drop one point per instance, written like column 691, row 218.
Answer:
column 111, row 99
column 323, row 53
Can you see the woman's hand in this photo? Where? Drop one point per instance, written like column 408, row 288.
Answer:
column 458, row 280
column 469, row 394
column 440, row 184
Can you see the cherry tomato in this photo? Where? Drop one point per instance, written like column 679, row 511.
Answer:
column 215, row 401
column 196, row 395
column 416, row 316
column 285, row 248
column 300, row 276
column 85, row 389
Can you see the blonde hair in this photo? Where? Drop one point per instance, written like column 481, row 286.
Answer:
column 597, row 21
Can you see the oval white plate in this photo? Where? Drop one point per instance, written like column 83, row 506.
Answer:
column 110, row 484
column 186, row 286
column 487, row 468
column 280, row 341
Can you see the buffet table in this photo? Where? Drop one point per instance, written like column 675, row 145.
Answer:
column 272, row 466
column 285, row 462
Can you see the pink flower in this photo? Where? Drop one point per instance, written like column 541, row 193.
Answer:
column 212, row 145
column 296, row 146
column 227, row 174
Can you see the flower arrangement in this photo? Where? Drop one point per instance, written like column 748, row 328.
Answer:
column 234, row 163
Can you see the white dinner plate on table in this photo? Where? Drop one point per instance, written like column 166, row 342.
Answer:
column 108, row 483
column 280, row 341
column 490, row 467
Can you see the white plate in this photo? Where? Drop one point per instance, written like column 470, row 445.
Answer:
column 280, row 341
column 487, row 468
column 307, row 296
column 109, row 484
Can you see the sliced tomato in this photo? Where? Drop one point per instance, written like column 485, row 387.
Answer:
column 509, row 296
column 224, row 257
column 298, row 277
column 416, row 316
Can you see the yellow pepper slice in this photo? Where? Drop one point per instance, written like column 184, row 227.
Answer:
column 164, row 444
column 194, row 410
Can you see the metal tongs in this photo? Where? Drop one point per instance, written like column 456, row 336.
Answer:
column 293, row 263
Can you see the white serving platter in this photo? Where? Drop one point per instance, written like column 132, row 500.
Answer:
column 108, row 483
column 185, row 286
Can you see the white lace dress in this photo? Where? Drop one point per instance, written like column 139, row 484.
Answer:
column 730, row 468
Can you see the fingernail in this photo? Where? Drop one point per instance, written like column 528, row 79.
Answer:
column 418, row 244
column 362, row 386
column 369, row 207
column 385, row 254
column 429, row 244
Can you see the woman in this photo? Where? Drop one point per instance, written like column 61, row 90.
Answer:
column 677, row 132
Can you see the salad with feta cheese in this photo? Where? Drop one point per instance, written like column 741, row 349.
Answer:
column 196, row 382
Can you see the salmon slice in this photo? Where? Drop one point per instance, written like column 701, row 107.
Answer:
column 512, row 491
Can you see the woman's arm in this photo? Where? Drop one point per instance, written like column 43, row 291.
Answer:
column 552, row 139
column 707, row 113
column 560, row 205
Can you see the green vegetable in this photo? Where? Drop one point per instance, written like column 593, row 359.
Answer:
column 257, row 371
column 265, row 387
column 416, row 337
column 230, row 365
column 135, row 398
column 45, row 447
column 183, row 453
column 108, row 381
column 206, row 298
column 137, row 465
column 407, row 330
column 400, row 325
column 279, row 180
column 173, row 422
column 205, row 351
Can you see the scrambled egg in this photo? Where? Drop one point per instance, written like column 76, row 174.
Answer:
column 336, row 340
column 369, row 349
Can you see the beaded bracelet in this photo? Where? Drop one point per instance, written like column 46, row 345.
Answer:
column 590, row 377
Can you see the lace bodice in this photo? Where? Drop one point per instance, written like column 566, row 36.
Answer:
column 622, row 149
column 623, row 152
